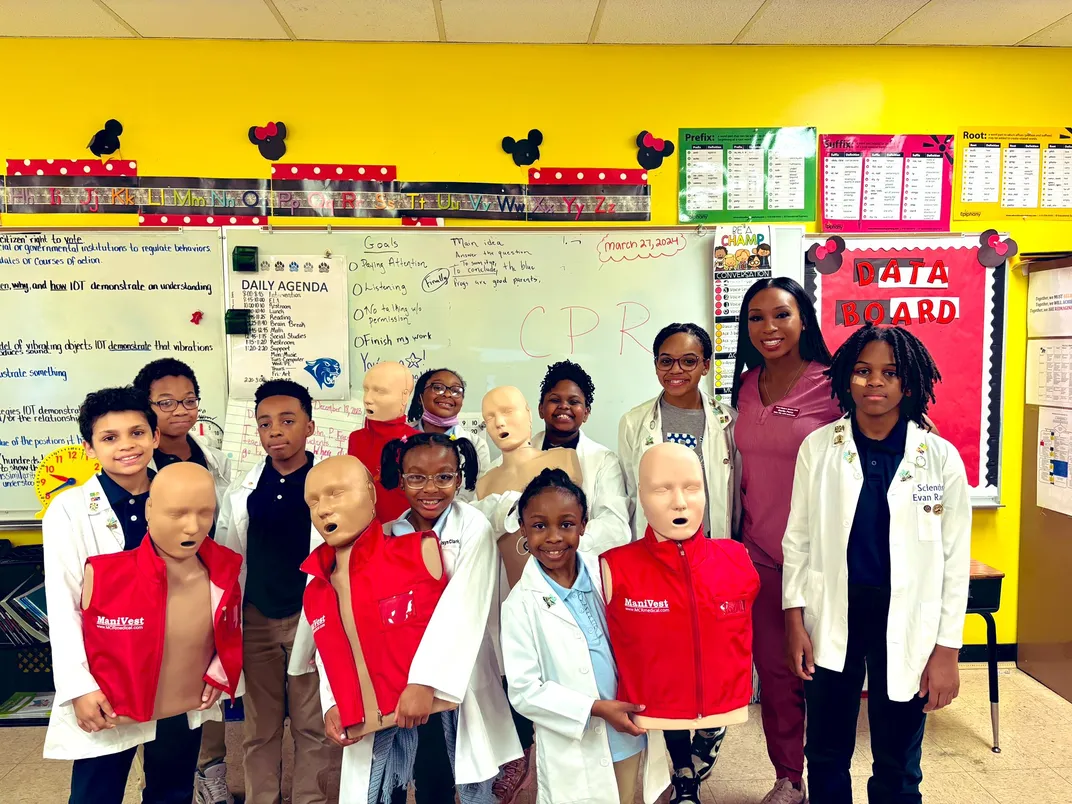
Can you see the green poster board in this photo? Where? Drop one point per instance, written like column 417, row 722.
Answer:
column 740, row 175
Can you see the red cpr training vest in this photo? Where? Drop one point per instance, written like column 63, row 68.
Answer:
column 393, row 596
column 123, row 626
column 367, row 446
column 680, row 624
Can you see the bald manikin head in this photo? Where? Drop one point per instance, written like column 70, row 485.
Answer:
column 341, row 499
column 180, row 509
column 507, row 416
column 387, row 389
column 670, row 485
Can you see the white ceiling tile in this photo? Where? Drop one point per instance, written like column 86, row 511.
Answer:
column 559, row 21
column 823, row 22
column 361, row 20
column 685, row 22
column 1057, row 35
column 199, row 19
column 978, row 22
column 57, row 18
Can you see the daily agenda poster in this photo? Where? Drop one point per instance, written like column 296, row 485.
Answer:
column 741, row 175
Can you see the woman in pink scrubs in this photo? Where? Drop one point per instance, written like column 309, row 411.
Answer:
column 780, row 399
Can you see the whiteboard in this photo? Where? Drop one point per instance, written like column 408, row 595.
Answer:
column 500, row 305
column 83, row 310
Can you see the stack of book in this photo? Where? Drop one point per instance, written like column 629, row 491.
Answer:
column 27, row 706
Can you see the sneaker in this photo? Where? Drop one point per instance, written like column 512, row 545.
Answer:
column 686, row 787
column 514, row 777
column 705, row 746
column 785, row 793
column 210, row 785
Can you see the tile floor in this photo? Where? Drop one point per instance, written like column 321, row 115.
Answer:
column 1034, row 766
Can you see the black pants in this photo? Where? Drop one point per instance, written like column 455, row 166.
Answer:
column 170, row 764
column 433, row 776
column 526, row 732
column 679, row 747
column 833, row 701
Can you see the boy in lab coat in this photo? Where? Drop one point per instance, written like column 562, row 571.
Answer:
column 107, row 515
column 875, row 579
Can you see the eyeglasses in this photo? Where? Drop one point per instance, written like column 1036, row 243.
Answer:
column 168, row 405
column 439, row 389
column 444, row 480
column 687, row 362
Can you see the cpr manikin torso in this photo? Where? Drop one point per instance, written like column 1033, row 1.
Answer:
column 713, row 580
column 509, row 425
column 341, row 498
column 179, row 514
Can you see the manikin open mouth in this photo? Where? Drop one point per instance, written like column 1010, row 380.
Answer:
column 680, row 520
column 187, row 543
column 331, row 527
column 504, row 435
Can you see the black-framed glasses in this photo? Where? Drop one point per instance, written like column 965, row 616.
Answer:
column 444, row 480
column 687, row 362
column 439, row 389
column 168, row 405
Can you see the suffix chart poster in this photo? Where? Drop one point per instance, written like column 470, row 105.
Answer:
column 741, row 175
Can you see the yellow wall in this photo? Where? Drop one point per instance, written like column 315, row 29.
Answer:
column 439, row 112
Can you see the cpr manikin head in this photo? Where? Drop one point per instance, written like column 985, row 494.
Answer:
column 180, row 509
column 671, row 491
column 387, row 388
column 341, row 499
column 507, row 416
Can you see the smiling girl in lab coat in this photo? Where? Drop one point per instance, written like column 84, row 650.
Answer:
column 588, row 749
column 875, row 575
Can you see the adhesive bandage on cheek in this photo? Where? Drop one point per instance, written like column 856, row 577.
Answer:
column 858, row 380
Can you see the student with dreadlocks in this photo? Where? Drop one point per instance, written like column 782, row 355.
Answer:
column 438, row 396
column 875, row 572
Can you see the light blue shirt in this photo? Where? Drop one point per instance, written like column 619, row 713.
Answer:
column 581, row 601
column 400, row 527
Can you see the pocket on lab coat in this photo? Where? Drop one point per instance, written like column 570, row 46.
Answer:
column 928, row 523
column 930, row 614
column 813, row 599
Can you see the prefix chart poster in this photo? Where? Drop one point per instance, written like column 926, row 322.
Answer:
column 740, row 175
column 1013, row 173
column 886, row 182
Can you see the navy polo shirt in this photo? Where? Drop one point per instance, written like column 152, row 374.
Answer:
column 166, row 458
column 128, row 508
column 869, row 539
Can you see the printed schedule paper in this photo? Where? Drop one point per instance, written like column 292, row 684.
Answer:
column 886, row 182
column 739, row 175
column 1013, row 172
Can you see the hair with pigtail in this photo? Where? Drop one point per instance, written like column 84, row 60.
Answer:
column 552, row 479
column 416, row 405
column 915, row 369
column 394, row 452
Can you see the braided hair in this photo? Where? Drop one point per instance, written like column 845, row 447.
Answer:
column 812, row 345
column 416, row 406
column 915, row 369
column 394, row 452
column 568, row 370
column 552, row 479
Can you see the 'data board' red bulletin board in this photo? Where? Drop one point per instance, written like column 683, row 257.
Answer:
column 955, row 305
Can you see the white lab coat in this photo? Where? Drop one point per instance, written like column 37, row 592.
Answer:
column 930, row 554
column 232, row 530
column 609, row 507
column 217, row 463
column 642, row 428
column 72, row 532
column 483, row 456
column 456, row 658
column 552, row 683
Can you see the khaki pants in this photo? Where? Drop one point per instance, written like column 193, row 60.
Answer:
column 213, row 743
column 625, row 773
column 270, row 695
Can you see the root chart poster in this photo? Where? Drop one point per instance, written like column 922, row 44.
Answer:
column 937, row 289
column 740, row 175
column 886, row 182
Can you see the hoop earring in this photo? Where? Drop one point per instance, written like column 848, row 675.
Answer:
column 522, row 546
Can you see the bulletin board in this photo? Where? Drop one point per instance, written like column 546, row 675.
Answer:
column 936, row 288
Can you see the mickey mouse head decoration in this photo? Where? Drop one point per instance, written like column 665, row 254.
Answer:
column 993, row 251
column 269, row 140
column 525, row 151
column 106, row 141
column 651, row 150
column 826, row 256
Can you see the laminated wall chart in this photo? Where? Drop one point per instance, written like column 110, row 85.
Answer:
column 1023, row 172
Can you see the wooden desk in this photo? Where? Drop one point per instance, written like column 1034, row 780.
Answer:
column 984, row 598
